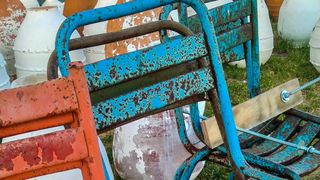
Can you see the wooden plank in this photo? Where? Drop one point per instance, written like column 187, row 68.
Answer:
column 255, row 111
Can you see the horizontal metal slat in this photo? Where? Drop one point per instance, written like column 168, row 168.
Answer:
column 42, row 151
column 223, row 14
column 136, row 64
column 139, row 63
column 125, row 107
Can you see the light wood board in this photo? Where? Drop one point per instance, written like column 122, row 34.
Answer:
column 255, row 111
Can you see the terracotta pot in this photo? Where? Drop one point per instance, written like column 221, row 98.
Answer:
column 71, row 8
column 36, row 40
column 297, row 19
column 274, row 8
column 12, row 13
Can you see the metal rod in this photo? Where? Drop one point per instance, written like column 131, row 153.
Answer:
column 285, row 95
column 309, row 149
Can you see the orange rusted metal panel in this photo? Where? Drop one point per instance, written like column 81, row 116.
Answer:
column 46, row 99
column 50, row 104
column 46, row 150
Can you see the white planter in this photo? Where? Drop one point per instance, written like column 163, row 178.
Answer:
column 297, row 19
column 265, row 36
column 97, row 53
column 12, row 13
column 57, row 3
column 315, row 47
column 4, row 78
column 36, row 40
column 30, row 3
column 150, row 148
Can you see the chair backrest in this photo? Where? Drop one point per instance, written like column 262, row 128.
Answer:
column 236, row 25
column 173, row 74
column 58, row 102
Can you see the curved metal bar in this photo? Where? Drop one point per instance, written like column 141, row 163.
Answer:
column 112, row 12
column 193, row 161
column 182, row 132
column 186, row 169
column 100, row 39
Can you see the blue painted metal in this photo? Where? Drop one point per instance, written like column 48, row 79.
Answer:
column 111, row 12
column 283, row 132
column 233, row 41
column 127, row 106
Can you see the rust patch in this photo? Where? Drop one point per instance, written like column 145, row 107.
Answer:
column 34, row 151
column 19, row 95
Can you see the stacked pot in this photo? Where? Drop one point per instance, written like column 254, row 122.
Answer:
column 315, row 46
column 274, row 8
column 33, row 46
column 297, row 19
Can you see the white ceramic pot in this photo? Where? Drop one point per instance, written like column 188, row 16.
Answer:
column 297, row 19
column 150, row 148
column 315, row 47
column 4, row 78
column 97, row 53
column 12, row 13
column 36, row 40
column 57, row 3
column 30, row 3
column 265, row 36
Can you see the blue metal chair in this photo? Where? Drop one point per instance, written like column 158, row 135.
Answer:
column 178, row 72
column 298, row 126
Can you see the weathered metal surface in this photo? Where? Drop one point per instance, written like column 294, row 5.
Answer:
column 139, row 63
column 247, row 140
column 283, row 132
column 307, row 164
column 305, row 137
column 154, row 97
column 57, row 102
column 95, row 40
column 37, row 152
column 224, row 14
column 14, row 106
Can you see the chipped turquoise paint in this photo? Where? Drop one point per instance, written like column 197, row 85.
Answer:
column 151, row 98
column 126, row 102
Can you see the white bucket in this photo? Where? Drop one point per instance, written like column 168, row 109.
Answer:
column 4, row 78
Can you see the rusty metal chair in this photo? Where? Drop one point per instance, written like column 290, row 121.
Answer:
column 178, row 72
column 292, row 126
column 58, row 102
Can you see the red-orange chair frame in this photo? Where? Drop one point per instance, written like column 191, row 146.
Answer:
column 58, row 102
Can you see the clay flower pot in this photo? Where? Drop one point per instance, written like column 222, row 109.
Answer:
column 274, row 8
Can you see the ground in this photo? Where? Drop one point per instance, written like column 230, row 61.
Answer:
column 285, row 64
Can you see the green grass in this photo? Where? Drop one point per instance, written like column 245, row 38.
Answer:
column 285, row 64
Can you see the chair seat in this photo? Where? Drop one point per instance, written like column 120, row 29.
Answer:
column 297, row 128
